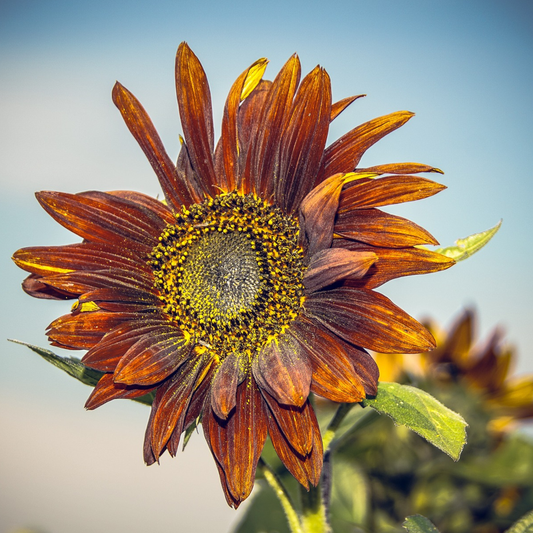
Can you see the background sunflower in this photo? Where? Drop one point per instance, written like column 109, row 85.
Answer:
column 462, row 69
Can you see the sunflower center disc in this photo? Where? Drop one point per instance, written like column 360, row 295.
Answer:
column 221, row 277
column 229, row 273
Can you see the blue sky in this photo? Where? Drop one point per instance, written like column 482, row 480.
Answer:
column 464, row 68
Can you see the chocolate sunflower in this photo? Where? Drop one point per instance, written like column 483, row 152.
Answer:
column 252, row 284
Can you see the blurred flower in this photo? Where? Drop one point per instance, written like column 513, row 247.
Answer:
column 253, row 283
column 484, row 369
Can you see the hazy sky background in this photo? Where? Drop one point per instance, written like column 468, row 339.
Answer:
column 465, row 68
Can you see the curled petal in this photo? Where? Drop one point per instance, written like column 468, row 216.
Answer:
column 283, row 371
column 400, row 168
column 318, row 211
column 369, row 319
column 328, row 266
column 224, row 386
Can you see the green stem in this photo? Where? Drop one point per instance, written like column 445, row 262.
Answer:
column 314, row 516
column 283, row 497
column 333, row 426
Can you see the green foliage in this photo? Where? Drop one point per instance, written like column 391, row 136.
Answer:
column 423, row 414
column 75, row 368
column 465, row 248
column 419, row 524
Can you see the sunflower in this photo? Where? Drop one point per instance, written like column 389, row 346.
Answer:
column 252, row 284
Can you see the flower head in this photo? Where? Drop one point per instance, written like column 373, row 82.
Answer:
column 252, row 284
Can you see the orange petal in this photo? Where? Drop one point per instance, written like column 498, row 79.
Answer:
column 400, row 168
column 369, row 319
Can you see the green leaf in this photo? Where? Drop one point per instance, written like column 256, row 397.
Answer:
column 419, row 524
column 464, row 248
column 75, row 368
column 422, row 413
column 524, row 525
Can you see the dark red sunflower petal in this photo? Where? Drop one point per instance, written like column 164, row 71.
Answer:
column 84, row 330
column 304, row 139
column 224, row 387
column 107, row 353
column 173, row 399
column 334, row 375
column 394, row 263
column 247, row 130
column 346, row 152
column 263, row 154
column 338, row 107
column 50, row 260
column 104, row 218
column 194, row 102
column 144, row 132
column 331, row 265
column 294, row 423
column 369, row 319
column 121, row 300
column 317, row 214
column 306, row 469
column 283, row 371
column 238, row 441
column 229, row 170
column 153, row 358
column 375, row 227
column 106, row 390
column 80, row 282
column 400, row 168
column 152, row 204
column 198, row 398
column 34, row 286
column 388, row 190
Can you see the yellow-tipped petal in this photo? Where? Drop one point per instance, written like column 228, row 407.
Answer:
column 255, row 74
